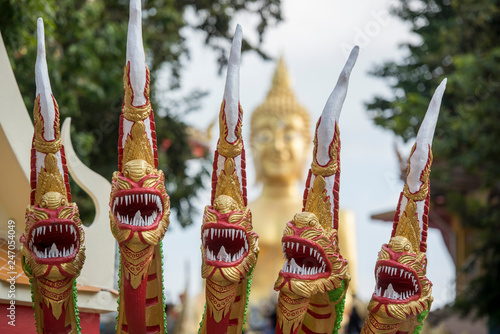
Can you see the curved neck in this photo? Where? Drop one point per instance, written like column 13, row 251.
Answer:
column 375, row 324
column 54, row 311
column 221, row 298
column 313, row 315
column 291, row 311
column 141, row 302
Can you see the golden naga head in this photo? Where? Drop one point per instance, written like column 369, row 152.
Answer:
column 229, row 245
column 313, row 263
column 310, row 242
column 403, row 292
column 139, row 204
column 53, row 239
column 279, row 132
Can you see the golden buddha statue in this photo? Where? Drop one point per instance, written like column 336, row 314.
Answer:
column 280, row 143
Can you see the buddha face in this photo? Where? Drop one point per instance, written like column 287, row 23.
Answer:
column 279, row 147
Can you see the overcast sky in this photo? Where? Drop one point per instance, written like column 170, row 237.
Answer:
column 315, row 41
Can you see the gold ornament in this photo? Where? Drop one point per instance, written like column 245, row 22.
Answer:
column 137, row 145
column 228, row 184
column 229, row 150
column 39, row 143
column 332, row 166
column 318, row 203
column 130, row 112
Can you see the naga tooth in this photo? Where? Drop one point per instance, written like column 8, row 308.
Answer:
column 232, row 234
column 137, row 218
column 126, row 200
column 222, row 255
column 297, row 247
column 310, row 251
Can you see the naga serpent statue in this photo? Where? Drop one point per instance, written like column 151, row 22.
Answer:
column 313, row 282
column 402, row 297
column 53, row 250
column 229, row 246
column 139, row 204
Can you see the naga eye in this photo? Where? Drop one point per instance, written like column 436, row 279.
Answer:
column 407, row 248
column 43, row 204
column 63, row 202
column 126, row 173
column 149, row 170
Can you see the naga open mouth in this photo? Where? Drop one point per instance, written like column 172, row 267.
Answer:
column 140, row 210
column 226, row 246
column 54, row 241
column 396, row 282
column 304, row 258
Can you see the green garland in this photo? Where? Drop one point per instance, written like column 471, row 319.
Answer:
column 202, row 318
column 339, row 307
column 27, row 268
column 249, row 287
column 163, row 288
column 119, row 287
column 77, row 311
column 420, row 319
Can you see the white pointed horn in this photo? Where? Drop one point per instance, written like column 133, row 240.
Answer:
column 423, row 143
column 333, row 107
column 232, row 88
column 135, row 53
column 43, row 88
